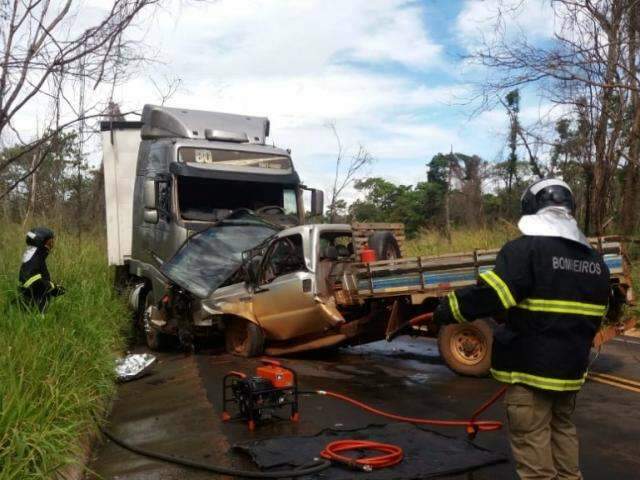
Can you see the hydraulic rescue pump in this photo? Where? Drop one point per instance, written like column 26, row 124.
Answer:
column 258, row 397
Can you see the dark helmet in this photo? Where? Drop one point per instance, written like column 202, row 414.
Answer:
column 549, row 192
column 37, row 237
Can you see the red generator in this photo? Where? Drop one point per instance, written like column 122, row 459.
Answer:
column 257, row 398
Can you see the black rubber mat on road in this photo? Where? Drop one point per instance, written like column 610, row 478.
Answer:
column 427, row 454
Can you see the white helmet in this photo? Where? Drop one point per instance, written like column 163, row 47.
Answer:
column 549, row 192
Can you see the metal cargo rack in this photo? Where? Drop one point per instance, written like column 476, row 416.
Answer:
column 435, row 276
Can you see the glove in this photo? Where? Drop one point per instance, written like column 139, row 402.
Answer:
column 58, row 290
column 442, row 314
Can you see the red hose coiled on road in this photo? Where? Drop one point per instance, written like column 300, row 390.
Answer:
column 472, row 425
column 392, row 454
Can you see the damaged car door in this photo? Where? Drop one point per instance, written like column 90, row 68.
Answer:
column 284, row 302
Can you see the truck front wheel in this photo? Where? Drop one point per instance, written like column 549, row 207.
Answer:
column 155, row 339
column 243, row 338
column 466, row 347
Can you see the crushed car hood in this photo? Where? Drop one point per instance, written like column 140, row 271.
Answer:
column 209, row 258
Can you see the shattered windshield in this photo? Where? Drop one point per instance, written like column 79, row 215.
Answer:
column 210, row 257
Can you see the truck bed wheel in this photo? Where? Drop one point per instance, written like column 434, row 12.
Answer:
column 385, row 245
column 243, row 338
column 466, row 347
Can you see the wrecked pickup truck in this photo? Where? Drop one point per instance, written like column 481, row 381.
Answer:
column 273, row 296
column 304, row 288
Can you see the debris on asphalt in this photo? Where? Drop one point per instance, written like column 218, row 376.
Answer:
column 134, row 366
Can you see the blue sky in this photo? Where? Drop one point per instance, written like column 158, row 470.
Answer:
column 389, row 74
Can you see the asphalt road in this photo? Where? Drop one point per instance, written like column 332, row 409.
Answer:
column 176, row 409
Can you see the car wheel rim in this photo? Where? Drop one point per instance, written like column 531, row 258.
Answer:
column 468, row 346
column 239, row 337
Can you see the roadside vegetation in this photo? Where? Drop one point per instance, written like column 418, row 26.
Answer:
column 433, row 242
column 56, row 369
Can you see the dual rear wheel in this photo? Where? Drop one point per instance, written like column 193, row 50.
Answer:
column 466, row 347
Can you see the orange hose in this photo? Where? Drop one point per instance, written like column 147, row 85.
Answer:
column 472, row 425
column 392, row 454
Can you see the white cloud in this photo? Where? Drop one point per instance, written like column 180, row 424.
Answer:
column 273, row 38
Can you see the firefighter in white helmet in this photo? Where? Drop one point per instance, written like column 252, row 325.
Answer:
column 553, row 288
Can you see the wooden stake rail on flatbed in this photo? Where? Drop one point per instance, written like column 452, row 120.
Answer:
column 362, row 232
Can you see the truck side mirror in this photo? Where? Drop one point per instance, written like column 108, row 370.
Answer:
column 317, row 202
column 149, row 197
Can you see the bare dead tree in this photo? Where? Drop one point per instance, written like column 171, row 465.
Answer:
column 345, row 177
column 630, row 219
column 589, row 67
column 42, row 52
column 167, row 88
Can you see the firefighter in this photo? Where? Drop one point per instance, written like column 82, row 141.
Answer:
column 35, row 284
column 552, row 289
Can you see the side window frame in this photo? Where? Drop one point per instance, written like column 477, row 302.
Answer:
column 269, row 254
column 163, row 196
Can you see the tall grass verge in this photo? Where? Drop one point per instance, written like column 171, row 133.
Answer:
column 56, row 369
column 431, row 242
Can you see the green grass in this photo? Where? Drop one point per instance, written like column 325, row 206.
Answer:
column 56, row 369
column 431, row 242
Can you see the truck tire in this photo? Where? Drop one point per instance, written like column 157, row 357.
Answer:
column 154, row 338
column 243, row 338
column 385, row 245
column 466, row 347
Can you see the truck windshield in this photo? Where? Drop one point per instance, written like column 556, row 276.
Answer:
column 232, row 157
column 212, row 256
column 206, row 199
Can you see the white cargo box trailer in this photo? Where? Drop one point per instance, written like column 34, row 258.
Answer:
column 120, row 143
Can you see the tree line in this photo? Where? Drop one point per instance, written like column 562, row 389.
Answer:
column 67, row 73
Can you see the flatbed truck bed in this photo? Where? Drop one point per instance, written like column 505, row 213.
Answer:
column 421, row 281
